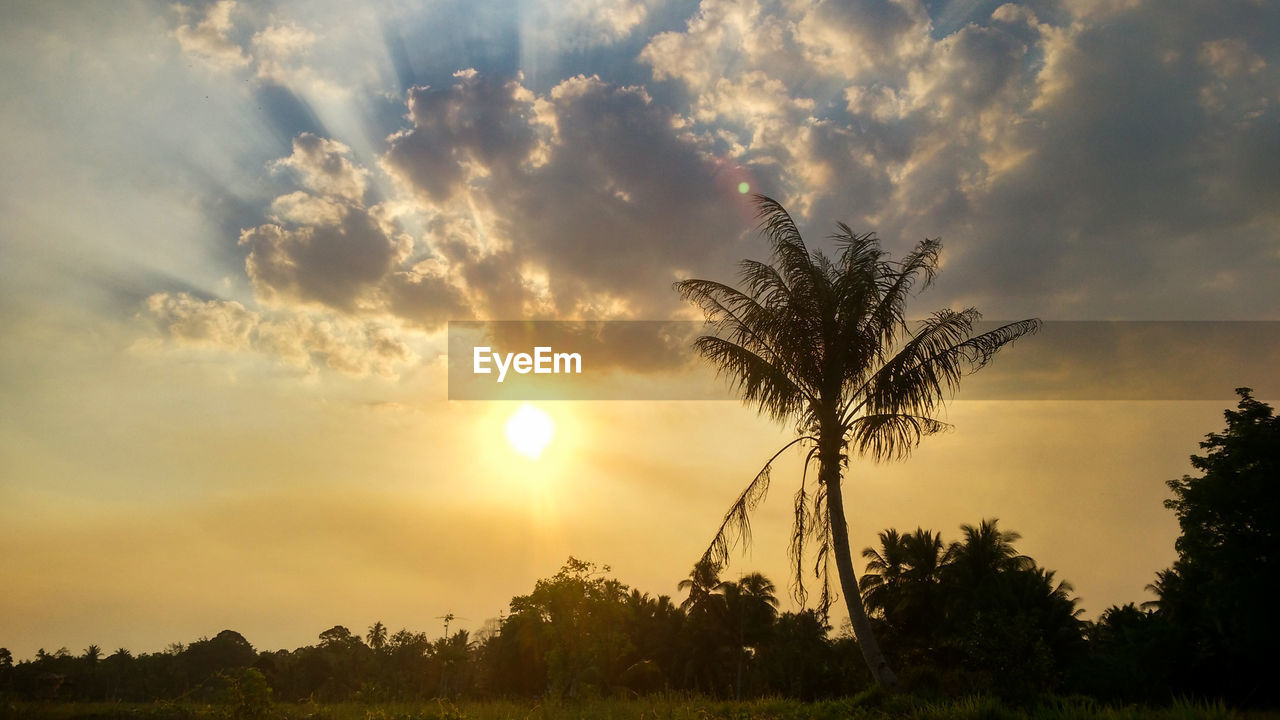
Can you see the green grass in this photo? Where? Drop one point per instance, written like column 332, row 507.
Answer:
column 869, row 706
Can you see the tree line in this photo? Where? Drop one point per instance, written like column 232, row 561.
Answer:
column 957, row 617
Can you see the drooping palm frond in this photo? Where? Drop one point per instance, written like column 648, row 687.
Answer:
column 801, row 529
column 765, row 332
column 822, row 564
column 759, row 382
column 890, row 436
column 736, row 527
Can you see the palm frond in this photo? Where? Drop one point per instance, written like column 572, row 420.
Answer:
column 892, row 435
column 801, row 529
column 928, row 368
column 736, row 527
column 743, row 320
column 821, row 534
column 802, row 269
column 760, row 383
column 895, row 284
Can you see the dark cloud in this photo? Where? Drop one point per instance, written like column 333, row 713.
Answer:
column 329, row 250
column 592, row 187
column 1083, row 159
column 1134, row 194
column 478, row 121
column 337, row 265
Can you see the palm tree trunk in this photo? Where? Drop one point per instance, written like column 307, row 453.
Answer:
column 829, row 475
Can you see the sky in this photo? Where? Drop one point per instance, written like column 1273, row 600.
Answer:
column 233, row 234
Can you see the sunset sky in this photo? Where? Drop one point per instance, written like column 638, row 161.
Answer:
column 232, row 234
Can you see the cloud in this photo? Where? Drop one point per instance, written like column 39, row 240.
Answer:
column 479, row 127
column 1076, row 158
column 334, row 264
column 587, row 201
column 208, row 38
column 576, row 25
column 1032, row 139
column 327, row 250
column 325, row 166
column 282, row 41
column 299, row 340
column 269, row 51
column 210, row 323
column 850, row 38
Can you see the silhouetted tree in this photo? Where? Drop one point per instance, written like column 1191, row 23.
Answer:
column 824, row 343
column 1132, row 657
column 567, row 635
column 227, row 650
column 974, row 615
column 1221, row 592
column 377, row 636
column 980, row 560
column 903, row 583
column 885, row 574
column 750, row 608
column 709, row 643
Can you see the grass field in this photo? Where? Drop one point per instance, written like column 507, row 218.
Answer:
column 656, row 708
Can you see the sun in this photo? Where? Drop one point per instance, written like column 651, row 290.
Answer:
column 530, row 430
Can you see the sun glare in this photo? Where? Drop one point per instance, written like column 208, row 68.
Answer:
column 529, row 431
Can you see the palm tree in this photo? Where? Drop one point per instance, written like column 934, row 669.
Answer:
column 759, row 595
column 825, row 344
column 985, row 552
column 377, row 636
column 927, row 555
column 902, row 579
column 885, row 573
column 752, row 605
column 702, row 584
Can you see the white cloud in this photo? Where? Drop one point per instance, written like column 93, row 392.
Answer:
column 208, row 38
column 300, row 340
column 212, row 323
column 325, row 166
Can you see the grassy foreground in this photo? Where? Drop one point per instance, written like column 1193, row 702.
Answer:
column 869, row 706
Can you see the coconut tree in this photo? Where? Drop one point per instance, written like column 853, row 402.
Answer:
column 702, row 585
column 824, row 343
column 903, row 581
column 885, row 573
column 985, row 552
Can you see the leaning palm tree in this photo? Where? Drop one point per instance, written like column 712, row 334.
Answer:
column 824, row 343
